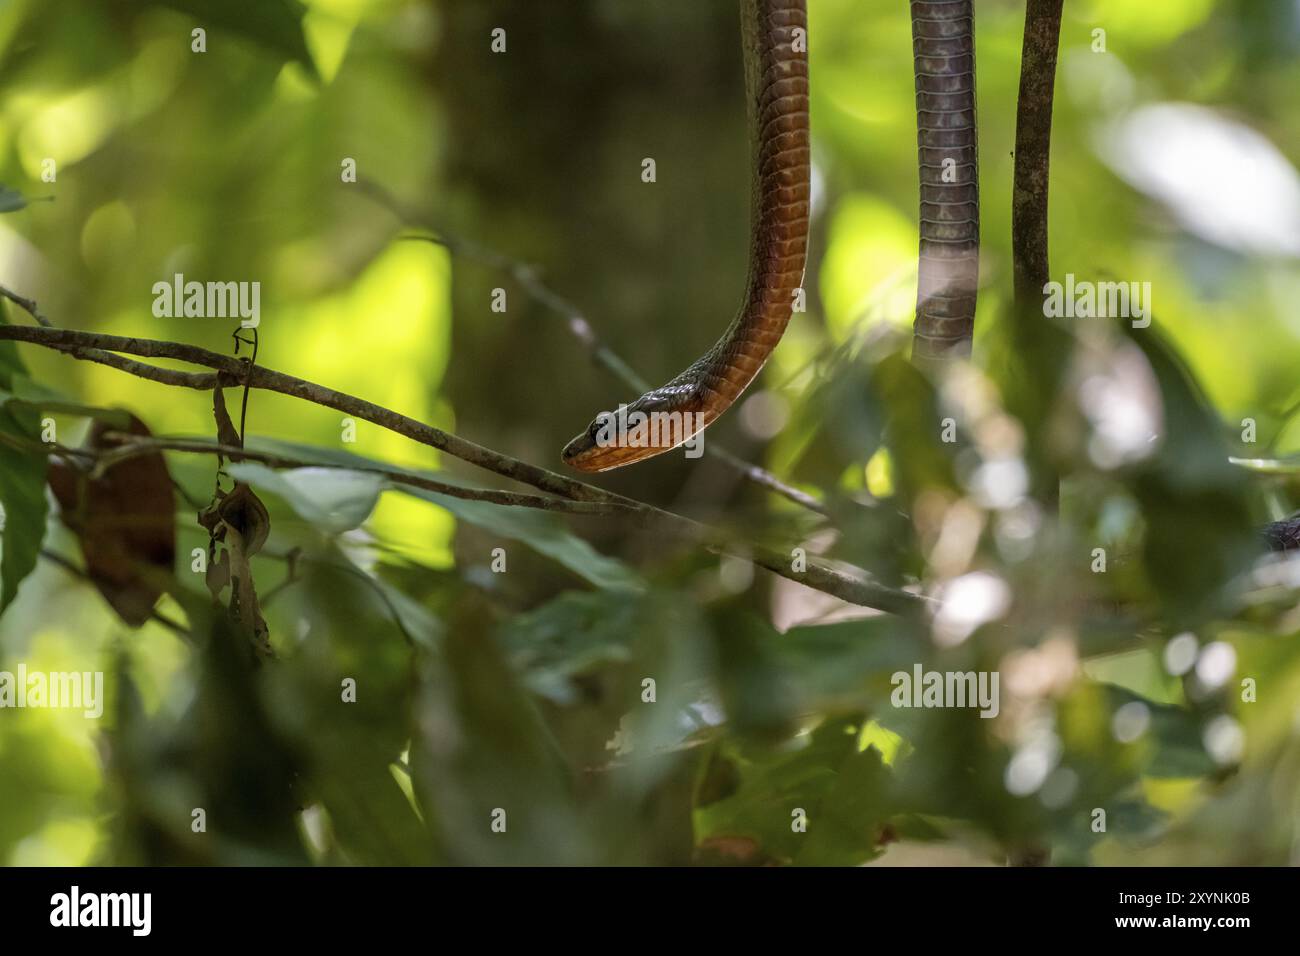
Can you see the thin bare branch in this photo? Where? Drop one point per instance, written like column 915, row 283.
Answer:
column 132, row 446
column 851, row 586
column 1033, row 153
column 26, row 304
column 174, row 626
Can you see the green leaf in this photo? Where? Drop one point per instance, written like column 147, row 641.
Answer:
column 24, row 393
column 759, row 695
column 542, row 531
column 569, row 637
column 351, row 632
column 331, row 499
column 921, row 459
column 11, row 200
column 482, row 754
column 220, row 750
column 843, row 791
column 588, row 654
column 1199, row 535
column 838, row 424
column 419, row 625
column 22, row 485
column 1173, row 740
column 844, row 663
column 275, row 25
column 849, row 819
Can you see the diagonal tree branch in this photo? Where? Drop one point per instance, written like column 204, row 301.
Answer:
column 174, row 626
column 852, row 585
column 132, row 446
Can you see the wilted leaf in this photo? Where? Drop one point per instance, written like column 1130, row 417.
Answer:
column 227, row 433
column 241, row 510
column 125, row 520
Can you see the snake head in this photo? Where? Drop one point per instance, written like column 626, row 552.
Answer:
column 649, row 426
column 585, row 450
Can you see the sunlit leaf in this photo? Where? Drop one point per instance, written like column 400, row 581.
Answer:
column 22, row 483
column 273, row 24
column 332, row 499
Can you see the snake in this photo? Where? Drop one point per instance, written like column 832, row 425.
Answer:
column 775, row 43
column 774, row 39
column 943, row 59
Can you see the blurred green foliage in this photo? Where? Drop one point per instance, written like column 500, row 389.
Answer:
column 606, row 695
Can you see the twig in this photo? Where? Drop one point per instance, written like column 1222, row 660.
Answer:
column 851, row 586
column 27, row 305
column 132, row 446
column 165, row 376
column 252, row 364
column 174, row 626
column 69, row 340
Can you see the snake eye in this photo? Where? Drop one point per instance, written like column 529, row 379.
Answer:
column 594, row 431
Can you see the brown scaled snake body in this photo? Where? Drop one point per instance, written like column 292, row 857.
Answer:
column 776, row 84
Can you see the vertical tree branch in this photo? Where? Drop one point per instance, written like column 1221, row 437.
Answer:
column 1040, row 345
column 1033, row 153
column 1038, row 352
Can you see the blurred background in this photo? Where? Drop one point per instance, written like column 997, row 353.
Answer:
column 1175, row 145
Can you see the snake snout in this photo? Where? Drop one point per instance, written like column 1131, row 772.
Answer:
column 578, row 446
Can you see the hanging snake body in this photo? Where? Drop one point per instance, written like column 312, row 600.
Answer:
column 943, row 57
column 776, row 84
